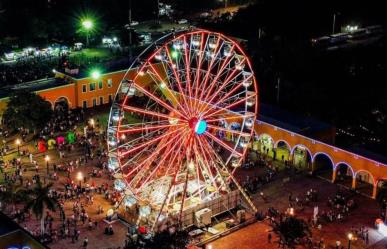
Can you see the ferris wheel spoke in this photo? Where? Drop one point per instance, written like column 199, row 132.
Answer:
column 219, row 73
column 155, row 153
column 214, row 158
column 158, row 100
column 207, row 164
column 237, row 86
column 228, row 107
column 147, row 128
column 236, row 117
column 196, row 162
column 146, row 112
column 223, row 144
column 178, row 80
column 163, row 158
column 216, row 51
column 199, row 65
column 222, row 99
column 167, row 196
column 187, row 70
column 230, row 76
column 170, row 93
column 240, row 133
column 154, row 140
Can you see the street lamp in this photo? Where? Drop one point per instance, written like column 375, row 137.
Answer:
column 18, row 142
column 92, row 122
column 350, row 237
column 47, row 159
column 87, row 24
column 80, row 178
column 95, row 74
column 291, row 211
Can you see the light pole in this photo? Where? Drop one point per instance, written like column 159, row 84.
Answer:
column 47, row 159
column 80, row 178
column 350, row 237
column 92, row 122
column 87, row 24
column 18, row 142
column 334, row 22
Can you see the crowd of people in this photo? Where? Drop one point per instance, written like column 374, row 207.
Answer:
column 26, row 70
column 75, row 197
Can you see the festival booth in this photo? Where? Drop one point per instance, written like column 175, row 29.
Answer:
column 60, row 140
column 51, row 144
column 42, row 146
column 70, row 137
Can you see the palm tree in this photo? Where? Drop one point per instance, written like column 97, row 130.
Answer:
column 13, row 194
column 39, row 200
column 291, row 230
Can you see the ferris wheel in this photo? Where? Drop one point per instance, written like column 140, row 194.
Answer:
column 181, row 122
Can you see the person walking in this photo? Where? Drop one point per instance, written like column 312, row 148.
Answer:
column 85, row 242
column 269, row 237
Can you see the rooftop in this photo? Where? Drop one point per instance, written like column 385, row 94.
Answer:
column 33, row 86
column 290, row 121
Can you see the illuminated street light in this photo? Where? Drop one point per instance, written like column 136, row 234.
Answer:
column 95, row 74
column 47, row 159
column 80, row 178
column 350, row 238
column 88, row 25
column 18, row 142
column 92, row 122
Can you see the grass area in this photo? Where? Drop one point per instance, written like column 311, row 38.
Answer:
column 100, row 53
column 151, row 26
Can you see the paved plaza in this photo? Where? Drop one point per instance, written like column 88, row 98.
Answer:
column 276, row 194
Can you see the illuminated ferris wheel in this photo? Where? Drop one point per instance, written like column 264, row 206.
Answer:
column 181, row 122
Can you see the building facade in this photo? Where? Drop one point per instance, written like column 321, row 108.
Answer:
column 271, row 139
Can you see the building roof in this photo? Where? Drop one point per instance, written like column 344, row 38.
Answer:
column 290, row 121
column 33, row 86
column 368, row 154
column 118, row 64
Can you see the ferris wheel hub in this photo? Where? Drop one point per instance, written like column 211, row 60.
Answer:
column 197, row 125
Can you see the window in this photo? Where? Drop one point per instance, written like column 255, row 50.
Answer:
column 100, row 84
column 101, row 100
column 94, row 102
column 84, row 88
column 109, row 83
column 84, row 104
column 110, row 98
column 91, row 87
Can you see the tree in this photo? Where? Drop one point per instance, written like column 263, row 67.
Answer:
column 28, row 110
column 13, row 194
column 39, row 199
column 291, row 230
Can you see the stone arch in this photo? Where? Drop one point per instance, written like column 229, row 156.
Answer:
column 283, row 150
column 62, row 102
column 364, row 182
column 265, row 144
column 323, row 165
column 301, row 156
column 373, row 181
column 344, row 174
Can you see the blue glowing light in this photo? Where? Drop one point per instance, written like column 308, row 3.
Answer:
column 200, row 127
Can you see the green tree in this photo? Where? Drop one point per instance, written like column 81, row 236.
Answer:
column 291, row 230
column 39, row 199
column 28, row 110
column 13, row 194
